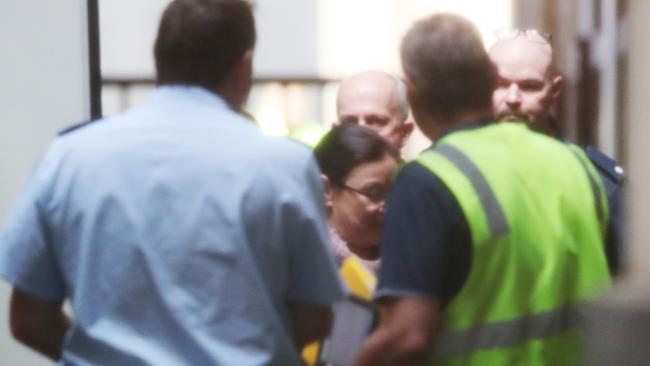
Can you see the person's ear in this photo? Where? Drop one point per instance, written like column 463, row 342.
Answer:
column 406, row 129
column 242, row 70
column 244, row 67
column 240, row 80
column 327, row 188
column 557, row 84
column 410, row 89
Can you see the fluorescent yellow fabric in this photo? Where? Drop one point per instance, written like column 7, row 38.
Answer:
column 531, row 204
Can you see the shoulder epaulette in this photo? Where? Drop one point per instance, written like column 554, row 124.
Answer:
column 605, row 164
column 75, row 127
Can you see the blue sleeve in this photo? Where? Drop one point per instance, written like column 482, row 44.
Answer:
column 313, row 274
column 426, row 243
column 612, row 177
column 613, row 239
column 27, row 260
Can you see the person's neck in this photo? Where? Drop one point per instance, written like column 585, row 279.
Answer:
column 368, row 254
column 439, row 125
column 360, row 251
column 548, row 126
column 229, row 96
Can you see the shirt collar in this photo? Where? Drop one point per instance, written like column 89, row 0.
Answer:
column 188, row 93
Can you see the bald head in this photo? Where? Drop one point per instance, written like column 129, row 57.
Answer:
column 527, row 84
column 378, row 101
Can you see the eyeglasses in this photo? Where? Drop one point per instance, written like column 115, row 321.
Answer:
column 533, row 35
column 374, row 195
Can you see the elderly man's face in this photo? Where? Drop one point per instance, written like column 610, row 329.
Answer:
column 526, row 88
column 373, row 101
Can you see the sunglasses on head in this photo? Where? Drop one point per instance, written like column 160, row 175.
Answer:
column 530, row 34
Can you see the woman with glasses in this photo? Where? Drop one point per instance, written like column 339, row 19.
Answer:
column 357, row 166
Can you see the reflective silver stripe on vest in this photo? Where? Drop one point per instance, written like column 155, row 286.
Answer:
column 505, row 333
column 594, row 187
column 496, row 220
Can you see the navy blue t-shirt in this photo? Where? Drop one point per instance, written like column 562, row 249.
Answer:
column 426, row 247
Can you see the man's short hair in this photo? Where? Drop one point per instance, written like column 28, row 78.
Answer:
column 444, row 58
column 200, row 41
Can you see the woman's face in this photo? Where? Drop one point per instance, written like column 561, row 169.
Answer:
column 357, row 209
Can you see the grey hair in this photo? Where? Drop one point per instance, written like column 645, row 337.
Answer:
column 402, row 98
column 402, row 107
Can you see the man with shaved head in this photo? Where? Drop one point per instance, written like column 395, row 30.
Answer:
column 378, row 101
column 527, row 88
column 528, row 85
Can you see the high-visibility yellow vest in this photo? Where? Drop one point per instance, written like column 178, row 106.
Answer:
column 537, row 213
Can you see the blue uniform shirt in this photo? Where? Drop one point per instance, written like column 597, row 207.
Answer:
column 178, row 232
column 612, row 176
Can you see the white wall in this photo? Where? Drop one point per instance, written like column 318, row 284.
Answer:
column 365, row 34
column 619, row 324
column 315, row 38
column 299, row 38
column 287, row 37
column 43, row 88
column 127, row 31
column 638, row 197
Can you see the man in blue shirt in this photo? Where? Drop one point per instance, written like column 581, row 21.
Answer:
column 180, row 234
